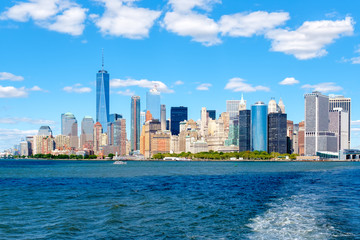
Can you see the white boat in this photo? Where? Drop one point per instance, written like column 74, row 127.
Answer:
column 120, row 162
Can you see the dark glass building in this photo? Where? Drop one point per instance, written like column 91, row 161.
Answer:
column 178, row 114
column 212, row 114
column 135, row 123
column 277, row 133
column 102, row 97
column 244, row 130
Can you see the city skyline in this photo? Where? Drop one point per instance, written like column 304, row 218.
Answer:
column 39, row 81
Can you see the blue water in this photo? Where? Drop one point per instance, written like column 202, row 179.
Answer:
column 179, row 200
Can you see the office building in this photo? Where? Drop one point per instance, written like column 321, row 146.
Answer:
column 69, row 127
column 114, row 117
column 153, row 103
column 135, row 123
column 44, row 131
column 102, row 97
column 281, row 106
column 211, row 114
column 142, row 119
column 301, row 138
column 259, row 127
column 178, row 114
column 232, row 107
column 87, row 133
column 97, row 137
column 244, row 130
column 339, row 124
column 317, row 134
column 163, row 117
column 242, row 105
column 338, row 101
column 277, row 132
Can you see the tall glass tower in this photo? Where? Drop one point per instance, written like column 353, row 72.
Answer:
column 102, row 96
column 259, row 125
column 178, row 114
column 153, row 103
column 135, row 123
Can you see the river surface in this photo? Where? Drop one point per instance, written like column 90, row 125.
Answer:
column 179, row 200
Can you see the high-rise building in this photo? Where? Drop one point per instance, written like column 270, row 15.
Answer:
column 135, row 123
column 153, row 103
column 259, row 127
column 44, row 131
column 142, row 119
column 301, row 138
column 69, row 127
column 232, row 107
column 212, row 114
column 233, row 136
column 244, row 130
column 114, row 117
column 242, row 105
column 339, row 125
column 178, row 114
column 97, row 137
column 87, row 133
column 317, row 134
column 163, row 117
column 24, row 148
column 337, row 101
column 102, row 97
column 281, row 106
column 277, row 141
column 117, row 136
column 62, row 142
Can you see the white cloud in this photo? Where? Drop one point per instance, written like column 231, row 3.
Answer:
column 77, row 88
column 179, row 82
column 323, row 87
column 63, row 16
column 12, row 92
column 355, row 129
column 10, row 77
column 121, row 18
column 310, row 39
column 289, row 81
column 246, row 25
column 239, row 85
column 188, row 5
column 143, row 83
column 127, row 92
column 204, row 86
column 16, row 120
column 355, row 122
column 10, row 137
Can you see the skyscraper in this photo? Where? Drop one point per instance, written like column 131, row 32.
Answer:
column 45, row 131
column 337, row 101
column 244, row 130
column 317, row 135
column 135, row 123
column 163, row 117
column 153, row 103
column 178, row 114
column 69, row 127
column 97, row 137
column 87, row 133
column 102, row 97
column 277, row 141
column 339, row 125
column 259, row 127
column 232, row 107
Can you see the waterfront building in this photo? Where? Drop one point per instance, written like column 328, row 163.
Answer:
column 69, row 127
column 24, row 148
column 259, row 127
column 188, row 130
column 87, row 133
column 244, row 130
column 338, row 101
column 204, row 121
column 97, row 137
column 232, row 107
column 43, row 144
column 339, row 125
column 317, row 134
column 142, row 119
column 153, row 103
column 277, row 129
column 163, row 117
column 62, row 142
column 44, row 131
column 301, row 138
column 30, row 140
column 168, row 123
column 225, row 118
column 135, row 123
column 178, row 114
column 152, row 140
column 233, row 136
column 290, row 134
column 102, row 96
column 117, row 136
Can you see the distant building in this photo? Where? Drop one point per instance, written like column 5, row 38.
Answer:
column 114, row 117
column 232, row 107
column 45, row 131
column 163, row 117
column 244, row 130
column 277, row 141
column 148, row 116
column 142, row 119
column 25, row 148
column 233, row 136
column 62, row 142
column 212, row 114
column 178, row 114
column 97, row 137
column 135, row 123
column 87, row 133
column 301, row 138
column 153, row 140
column 339, row 124
column 102, row 97
column 338, row 101
column 153, row 103
column 69, row 127
column 259, row 127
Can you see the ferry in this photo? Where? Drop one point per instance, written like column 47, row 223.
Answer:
column 120, row 162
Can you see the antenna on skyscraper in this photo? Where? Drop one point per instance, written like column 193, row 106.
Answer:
column 102, row 59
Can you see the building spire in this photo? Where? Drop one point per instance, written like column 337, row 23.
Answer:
column 102, row 59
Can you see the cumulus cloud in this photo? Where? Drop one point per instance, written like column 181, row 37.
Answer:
column 143, row 83
column 127, row 92
column 188, row 5
column 10, row 137
column 323, row 87
column 240, row 85
column 246, row 25
column 204, row 86
column 12, row 92
column 16, row 120
column 311, row 38
column 289, row 81
column 179, row 82
column 63, row 16
column 122, row 18
column 10, row 77
column 77, row 88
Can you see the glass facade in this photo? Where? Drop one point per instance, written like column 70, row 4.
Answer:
column 163, row 117
column 114, row 117
column 153, row 103
column 45, row 131
column 178, row 114
column 233, row 138
column 87, row 133
column 245, row 130
column 69, row 127
column 135, row 123
column 259, row 127
column 102, row 98
column 277, row 132
column 212, row 114
column 232, row 107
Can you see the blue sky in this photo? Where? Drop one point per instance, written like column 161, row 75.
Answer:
column 200, row 53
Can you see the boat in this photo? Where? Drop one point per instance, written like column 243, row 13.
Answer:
column 120, row 162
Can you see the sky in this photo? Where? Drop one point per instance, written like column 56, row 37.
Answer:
column 200, row 53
